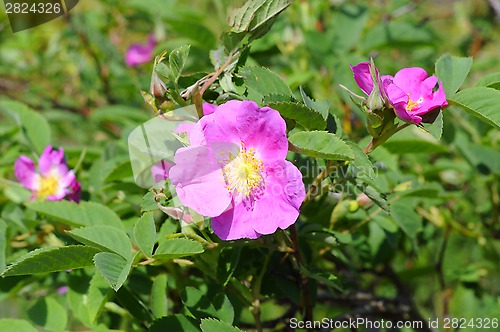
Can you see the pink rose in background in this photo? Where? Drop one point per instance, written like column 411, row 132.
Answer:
column 411, row 92
column 53, row 182
column 235, row 171
column 138, row 54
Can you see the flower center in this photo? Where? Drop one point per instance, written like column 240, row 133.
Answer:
column 243, row 172
column 411, row 105
column 48, row 186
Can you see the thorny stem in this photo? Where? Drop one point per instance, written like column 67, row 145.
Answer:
column 207, row 81
column 304, row 282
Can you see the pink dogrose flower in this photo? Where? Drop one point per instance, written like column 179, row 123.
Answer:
column 53, row 181
column 138, row 54
column 235, row 171
column 412, row 93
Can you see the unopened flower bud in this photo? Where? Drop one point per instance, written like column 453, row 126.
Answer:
column 157, row 87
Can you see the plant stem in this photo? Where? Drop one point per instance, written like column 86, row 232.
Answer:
column 256, row 295
column 304, row 282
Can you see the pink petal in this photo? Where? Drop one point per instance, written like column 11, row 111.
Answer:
column 140, row 53
column 52, row 159
column 199, row 181
column 160, row 170
column 24, row 168
column 278, row 207
column 363, row 77
column 209, row 108
column 410, row 79
column 243, row 122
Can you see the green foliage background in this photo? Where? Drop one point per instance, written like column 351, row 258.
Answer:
column 436, row 253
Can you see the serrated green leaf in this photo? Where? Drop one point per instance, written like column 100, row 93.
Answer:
column 97, row 295
column 211, row 325
column 436, row 128
column 177, row 60
column 361, row 160
column 405, row 216
column 198, row 303
column 104, row 237
column 52, row 259
column 73, row 214
column 159, row 303
column 256, row 13
column 145, row 233
column 376, row 196
column 480, row 102
column 175, row 323
column 49, row 314
column 33, row 125
column 322, row 107
column 308, row 117
column 113, row 267
column 3, row 245
column 18, row 325
column 176, row 248
column 321, row 144
column 452, row 71
column 491, row 80
column 264, row 82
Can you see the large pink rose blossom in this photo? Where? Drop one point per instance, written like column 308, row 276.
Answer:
column 235, row 171
column 138, row 54
column 53, row 181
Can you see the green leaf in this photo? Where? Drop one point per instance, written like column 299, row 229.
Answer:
column 256, row 13
column 480, row 102
column 264, row 82
column 490, row 81
column 134, row 305
column 322, row 107
column 413, row 140
column 159, row 296
column 452, row 71
column 175, row 323
column 104, row 237
column 33, row 125
column 73, row 214
column 52, row 259
column 97, row 295
column 113, row 267
column 308, row 117
column 405, row 216
column 3, row 245
column 177, row 60
column 145, row 233
column 321, row 144
column 198, row 303
column 376, row 196
column 18, row 325
column 49, row 314
column 436, row 128
column 361, row 160
column 176, row 248
column 210, row 325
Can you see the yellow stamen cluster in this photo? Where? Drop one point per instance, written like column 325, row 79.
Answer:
column 48, row 186
column 243, row 172
column 411, row 105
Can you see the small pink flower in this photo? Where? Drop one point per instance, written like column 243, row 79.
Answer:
column 138, row 54
column 53, row 182
column 412, row 93
column 235, row 171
